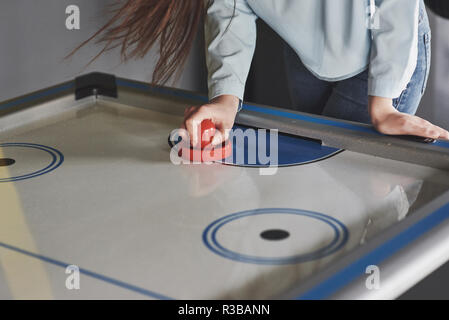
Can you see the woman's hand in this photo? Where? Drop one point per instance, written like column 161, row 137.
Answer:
column 221, row 110
column 386, row 119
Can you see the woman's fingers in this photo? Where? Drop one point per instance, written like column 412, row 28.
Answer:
column 221, row 110
column 193, row 121
column 444, row 134
column 405, row 124
column 421, row 127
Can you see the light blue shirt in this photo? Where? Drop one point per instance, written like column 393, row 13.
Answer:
column 335, row 40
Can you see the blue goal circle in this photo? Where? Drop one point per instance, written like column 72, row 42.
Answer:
column 57, row 158
column 341, row 235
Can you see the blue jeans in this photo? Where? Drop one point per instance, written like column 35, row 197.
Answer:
column 348, row 99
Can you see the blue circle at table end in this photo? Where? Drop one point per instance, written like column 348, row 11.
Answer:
column 341, row 235
column 56, row 155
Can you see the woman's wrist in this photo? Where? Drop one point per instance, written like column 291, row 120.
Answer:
column 227, row 100
column 380, row 108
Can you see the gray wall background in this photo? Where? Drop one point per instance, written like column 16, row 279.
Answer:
column 34, row 41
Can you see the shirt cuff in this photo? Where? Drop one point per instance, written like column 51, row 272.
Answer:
column 385, row 88
column 226, row 87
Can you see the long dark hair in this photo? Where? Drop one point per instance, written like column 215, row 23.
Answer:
column 137, row 25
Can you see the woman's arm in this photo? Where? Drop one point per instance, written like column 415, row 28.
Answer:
column 394, row 47
column 394, row 55
column 230, row 35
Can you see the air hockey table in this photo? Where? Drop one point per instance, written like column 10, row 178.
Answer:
column 87, row 184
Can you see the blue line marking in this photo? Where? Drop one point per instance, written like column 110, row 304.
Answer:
column 343, row 277
column 442, row 144
column 38, row 95
column 341, row 235
column 57, row 160
column 89, row 273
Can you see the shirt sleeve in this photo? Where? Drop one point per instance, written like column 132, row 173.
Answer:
column 230, row 46
column 394, row 50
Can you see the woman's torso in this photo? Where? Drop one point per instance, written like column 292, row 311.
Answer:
column 332, row 38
